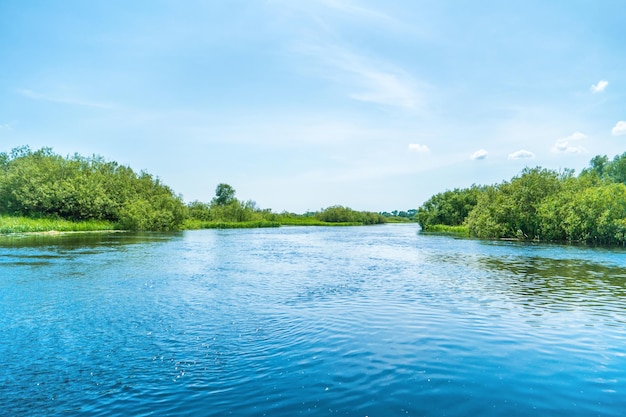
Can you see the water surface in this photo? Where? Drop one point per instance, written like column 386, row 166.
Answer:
column 358, row 321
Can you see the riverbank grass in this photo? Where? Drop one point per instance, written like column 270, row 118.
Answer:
column 16, row 224
column 447, row 230
column 193, row 224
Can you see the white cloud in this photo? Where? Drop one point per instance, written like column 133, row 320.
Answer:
column 64, row 100
column 600, row 87
column 371, row 80
column 416, row 147
column 383, row 87
column 521, row 154
column 565, row 145
column 619, row 128
column 479, row 154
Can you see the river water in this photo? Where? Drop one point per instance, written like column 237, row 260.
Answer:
column 350, row 321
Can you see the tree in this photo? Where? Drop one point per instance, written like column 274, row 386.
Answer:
column 450, row 208
column 41, row 183
column 510, row 209
column 224, row 195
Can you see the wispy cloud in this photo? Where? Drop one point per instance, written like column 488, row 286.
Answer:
column 363, row 73
column 521, row 154
column 479, row 154
column 64, row 100
column 372, row 80
column 599, row 87
column 416, row 147
column 566, row 145
column 619, row 128
column 360, row 11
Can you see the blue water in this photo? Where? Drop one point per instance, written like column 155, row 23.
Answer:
column 357, row 321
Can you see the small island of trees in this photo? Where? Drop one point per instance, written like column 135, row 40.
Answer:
column 42, row 191
column 539, row 204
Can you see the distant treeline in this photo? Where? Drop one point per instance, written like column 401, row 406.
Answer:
column 540, row 204
column 225, row 208
column 41, row 184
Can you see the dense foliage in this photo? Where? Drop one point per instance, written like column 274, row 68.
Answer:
column 540, row 204
column 448, row 208
column 340, row 214
column 225, row 208
column 79, row 193
column 227, row 212
column 43, row 184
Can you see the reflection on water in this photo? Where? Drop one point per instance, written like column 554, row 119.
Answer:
column 79, row 240
column 309, row 321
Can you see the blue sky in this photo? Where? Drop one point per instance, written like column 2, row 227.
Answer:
column 300, row 105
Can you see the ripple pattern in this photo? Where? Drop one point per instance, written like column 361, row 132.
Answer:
column 359, row 321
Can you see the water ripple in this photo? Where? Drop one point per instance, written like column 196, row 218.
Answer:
column 310, row 321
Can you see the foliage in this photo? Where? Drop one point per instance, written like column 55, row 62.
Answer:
column 239, row 213
column 198, row 224
column 451, row 230
column 449, row 208
column 510, row 209
column 540, row 204
column 340, row 214
column 400, row 216
column 43, row 184
column 594, row 214
column 13, row 224
column 224, row 195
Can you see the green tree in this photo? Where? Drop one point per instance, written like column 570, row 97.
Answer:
column 510, row 209
column 224, row 195
column 42, row 183
column 449, row 208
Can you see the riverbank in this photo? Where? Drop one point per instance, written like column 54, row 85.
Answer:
column 24, row 225
column 18, row 224
column 448, row 230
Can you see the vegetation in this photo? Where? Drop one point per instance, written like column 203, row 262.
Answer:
column 449, row 230
column 400, row 216
column 448, row 208
column 12, row 224
column 225, row 211
column 41, row 184
column 540, row 204
column 42, row 191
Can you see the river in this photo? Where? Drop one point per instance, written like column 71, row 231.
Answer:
column 311, row 321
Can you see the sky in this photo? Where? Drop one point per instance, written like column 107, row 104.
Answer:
column 304, row 104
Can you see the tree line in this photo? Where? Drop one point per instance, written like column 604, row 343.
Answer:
column 540, row 204
column 43, row 184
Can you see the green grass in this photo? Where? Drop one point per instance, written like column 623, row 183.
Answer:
column 398, row 220
column 312, row 221
column 191, row 224
column 14, row 224
column 445, row 229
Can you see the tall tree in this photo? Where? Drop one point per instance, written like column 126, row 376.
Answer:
column 224, row 195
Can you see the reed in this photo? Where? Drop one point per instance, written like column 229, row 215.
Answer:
column 191, row 224
column 16, row 224
column 445, row 229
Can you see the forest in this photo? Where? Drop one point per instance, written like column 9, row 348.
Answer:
column 539, row 204
column 41, row 190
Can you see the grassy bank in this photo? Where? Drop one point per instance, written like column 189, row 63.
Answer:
column 18, row 224
column 14, row 224
column 192, row 224
column 444, row 229
column 311, row 221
